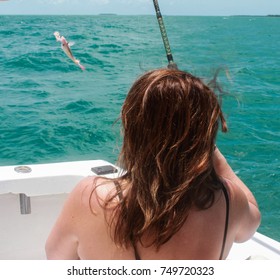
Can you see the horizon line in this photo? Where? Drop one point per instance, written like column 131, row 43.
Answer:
column 115, row 14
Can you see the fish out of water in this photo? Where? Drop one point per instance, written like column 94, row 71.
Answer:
column 66, row 48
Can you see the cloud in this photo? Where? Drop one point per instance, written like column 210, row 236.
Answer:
column 102, row 2
column 53, row 2
column 95, row 2
column 58, row 2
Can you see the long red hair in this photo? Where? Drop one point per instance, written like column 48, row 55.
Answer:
column 170, row 121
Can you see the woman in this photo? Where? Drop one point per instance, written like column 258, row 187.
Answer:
column 179, row 198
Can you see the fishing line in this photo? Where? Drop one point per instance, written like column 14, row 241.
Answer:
column 139, row 42
column 171, row 63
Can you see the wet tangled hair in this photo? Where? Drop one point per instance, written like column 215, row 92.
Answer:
column 170, row 121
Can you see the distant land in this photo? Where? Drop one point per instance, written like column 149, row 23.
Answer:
column 112, row 14
column 107, row 14
column 255, row 16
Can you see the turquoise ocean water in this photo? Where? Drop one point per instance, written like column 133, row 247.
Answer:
column 51, row 111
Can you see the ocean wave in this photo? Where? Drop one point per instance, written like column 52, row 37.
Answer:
column 8, row 32
column 110, row 49
column 79, row 105
column 245, row 70
column 82, row 107
column 36, row 62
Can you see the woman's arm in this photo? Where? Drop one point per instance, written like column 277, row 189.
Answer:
column 62, row 243
column 251, row 217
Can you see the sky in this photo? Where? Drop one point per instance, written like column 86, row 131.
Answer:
column 136, row 7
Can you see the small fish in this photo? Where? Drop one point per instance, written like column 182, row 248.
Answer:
column 66, row 48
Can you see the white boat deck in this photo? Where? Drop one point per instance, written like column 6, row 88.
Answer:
column 23, row 236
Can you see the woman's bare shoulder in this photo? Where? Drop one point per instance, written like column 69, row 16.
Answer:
column 245, row 216
column 237, row 199
column 93, row 192
column 82, row 211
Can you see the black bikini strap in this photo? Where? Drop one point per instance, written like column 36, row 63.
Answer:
column 136, row 254
column 226, row 223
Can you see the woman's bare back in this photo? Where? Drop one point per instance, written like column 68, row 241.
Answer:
column 201, row 236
